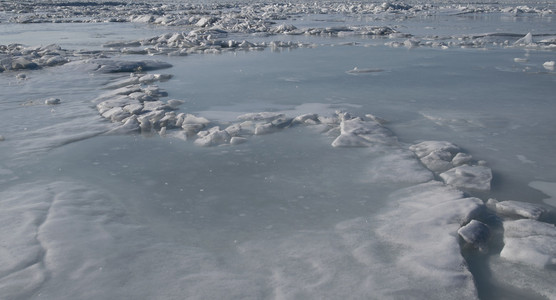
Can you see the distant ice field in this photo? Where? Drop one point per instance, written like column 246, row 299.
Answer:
column 173, row 150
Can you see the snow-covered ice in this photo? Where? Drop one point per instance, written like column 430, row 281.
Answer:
column 265, row 150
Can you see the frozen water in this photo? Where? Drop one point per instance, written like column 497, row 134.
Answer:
column 530, row 242
column 105, row 193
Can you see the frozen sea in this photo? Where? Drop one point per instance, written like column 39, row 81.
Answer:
column 261, row 150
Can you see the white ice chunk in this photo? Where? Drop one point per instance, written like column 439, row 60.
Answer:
column 191, row 119
column 461, row 159
column 530, row 242
column 526, row 40
column 131, row 124
column 52, row 101
column 521, row 60
column 310, row 119
column 265, row 128
column 116, row 114
column 359, row 133
column 438, row 161
column 475, row 233
column 174, row 103
column 549, row 65
column 236, row 140
column 425, row 148
column 121, row 101
column 214, row 137
column 469, row 177
column 517, row 208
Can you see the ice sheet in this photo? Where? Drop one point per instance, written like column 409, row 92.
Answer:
column 281, row 215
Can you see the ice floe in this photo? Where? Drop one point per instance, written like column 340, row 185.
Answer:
column 475, row 233
column 469, row 177
column 518, row 209
column 530, row 242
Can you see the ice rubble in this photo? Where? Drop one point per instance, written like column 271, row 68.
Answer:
column 15, row 57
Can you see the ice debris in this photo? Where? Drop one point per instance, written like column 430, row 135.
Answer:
column 469, row 177
column 356, row 132
column 475, row 233
column 52, row 101
column 549, row 65
column 518, row 209
column 456, row 168
column 16, row 57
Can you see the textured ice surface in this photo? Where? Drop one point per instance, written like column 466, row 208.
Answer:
column 518, row 209
column 469, row 177
column 427, row 218
column 530, row 242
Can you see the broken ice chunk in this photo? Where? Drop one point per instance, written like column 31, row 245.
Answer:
column 236, row 140
column 461, row 158
column 438, row 161
column 549, row 65
column 52, row 101
column 517, row 208
column 310, row 119
column 425, row 148
column 265, row 128
column 530, row 242
column 213, row 137
column 359, row 133
column 526, row 40
column 469, row 177
column 475, row 233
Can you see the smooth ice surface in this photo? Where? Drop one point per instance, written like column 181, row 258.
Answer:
column 549, row 188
